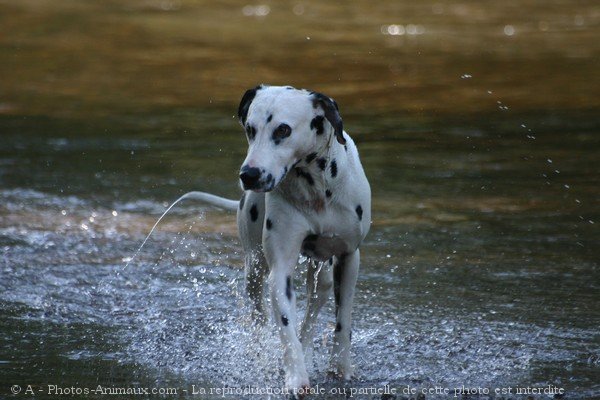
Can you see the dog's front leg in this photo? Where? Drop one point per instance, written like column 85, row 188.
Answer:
column 284, row 312
column 282, row 243
column 318, row 283
column 345, row 274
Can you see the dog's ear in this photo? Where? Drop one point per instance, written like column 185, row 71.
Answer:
column 332, row 114
column 245, row 103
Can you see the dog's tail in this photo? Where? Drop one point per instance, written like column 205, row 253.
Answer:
column 216, row 201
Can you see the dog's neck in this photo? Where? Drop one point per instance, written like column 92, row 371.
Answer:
column 312, row 182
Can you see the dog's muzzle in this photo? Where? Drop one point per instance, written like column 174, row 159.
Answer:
column 250, row 177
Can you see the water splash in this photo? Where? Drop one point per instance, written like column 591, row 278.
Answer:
column 206, row 197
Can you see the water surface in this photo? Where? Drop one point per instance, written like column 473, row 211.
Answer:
column 479, row 132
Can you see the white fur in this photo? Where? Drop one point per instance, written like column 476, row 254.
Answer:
column 297, row 209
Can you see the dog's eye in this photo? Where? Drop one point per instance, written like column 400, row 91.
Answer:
column 250, row 131
column 282, row 131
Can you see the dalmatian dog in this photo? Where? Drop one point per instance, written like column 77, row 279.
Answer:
column 305, row 193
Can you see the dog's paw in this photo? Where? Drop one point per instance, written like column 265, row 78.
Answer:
column 300, row 394
column 343, row 371
column 297, row 385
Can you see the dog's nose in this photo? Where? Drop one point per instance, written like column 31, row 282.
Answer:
column 249, row 177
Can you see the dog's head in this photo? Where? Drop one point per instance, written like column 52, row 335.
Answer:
column 283, row 125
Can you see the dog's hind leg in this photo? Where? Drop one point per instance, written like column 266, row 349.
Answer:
column 250, row 218
column 319, row 281
column 345, row 273
column 256, row 269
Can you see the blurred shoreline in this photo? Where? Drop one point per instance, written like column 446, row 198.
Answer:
column 67, row 57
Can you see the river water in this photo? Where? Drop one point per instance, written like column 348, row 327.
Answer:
column 478, row 128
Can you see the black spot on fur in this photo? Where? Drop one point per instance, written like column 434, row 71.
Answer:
column 338, row 274
column 309, row 246
column 253, row 213
column 309, row 243
column 242, row 200
column 346, row 148
column 269, row 177
column 269, row 224
column 338, row 327
column 288, row 288
column 289, row 88
column 359, row 212
column 333, row 169
column 306, row 176
column 317, row 123
column 269, row 118
column 311, row 157
column 332, row 114
column 284, row 320
column 328, row 193
column 331, row 261
column 245, row 104
column 322, row 163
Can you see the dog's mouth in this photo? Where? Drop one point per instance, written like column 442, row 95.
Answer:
column 263, row 189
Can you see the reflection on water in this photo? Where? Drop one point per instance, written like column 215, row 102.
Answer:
column 479, row 140
column 74, row 58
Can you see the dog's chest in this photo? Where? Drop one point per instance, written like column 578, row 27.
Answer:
column 307, row 190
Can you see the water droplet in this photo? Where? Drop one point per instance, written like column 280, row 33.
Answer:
column 257, row 11
column 411, row 29
column 394, row 30
column 263, row 10
column 298, row 9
